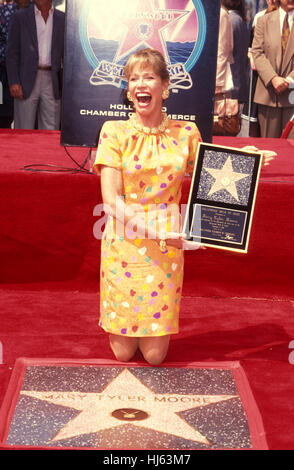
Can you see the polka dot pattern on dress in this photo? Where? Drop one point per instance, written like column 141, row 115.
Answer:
column 140, row 287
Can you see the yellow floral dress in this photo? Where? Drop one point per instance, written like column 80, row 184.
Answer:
column 140, row 286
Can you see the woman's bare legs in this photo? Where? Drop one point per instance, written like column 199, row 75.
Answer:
column 123, row 347
column 154, row 348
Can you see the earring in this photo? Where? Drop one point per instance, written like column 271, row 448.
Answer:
column 165, row 94
column 129, row 96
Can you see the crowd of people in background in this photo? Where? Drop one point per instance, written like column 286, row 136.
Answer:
column 255, row 69
column 255, row 65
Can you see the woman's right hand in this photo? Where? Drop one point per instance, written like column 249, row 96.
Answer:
column 179, row 240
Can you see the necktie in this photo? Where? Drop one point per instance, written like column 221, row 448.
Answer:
column 285, row 34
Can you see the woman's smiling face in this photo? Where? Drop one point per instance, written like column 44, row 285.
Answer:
column 146, row 87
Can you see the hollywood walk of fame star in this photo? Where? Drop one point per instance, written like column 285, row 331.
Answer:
column 121, row 401
column 144, row 27
column 225, row 178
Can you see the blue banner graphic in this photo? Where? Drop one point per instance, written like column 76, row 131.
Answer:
column 101, row 35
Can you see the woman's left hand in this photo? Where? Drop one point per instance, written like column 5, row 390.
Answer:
column 179, row 240
column 267, row 155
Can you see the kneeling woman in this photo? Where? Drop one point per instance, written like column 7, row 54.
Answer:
column 142, row 163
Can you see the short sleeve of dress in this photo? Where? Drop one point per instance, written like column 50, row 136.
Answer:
column 193, row 139
column 108, row 151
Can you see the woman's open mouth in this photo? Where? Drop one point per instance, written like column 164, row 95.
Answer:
column 143, row 98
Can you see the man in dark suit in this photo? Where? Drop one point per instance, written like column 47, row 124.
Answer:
column 273, row 53
column 34, row 65
column 6, row 13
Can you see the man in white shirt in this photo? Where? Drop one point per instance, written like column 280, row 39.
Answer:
column 34, row 65
column 273, row 53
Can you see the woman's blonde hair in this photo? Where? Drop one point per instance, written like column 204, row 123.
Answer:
column 146, row 57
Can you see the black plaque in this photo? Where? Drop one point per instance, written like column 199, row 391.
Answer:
column 222, row 197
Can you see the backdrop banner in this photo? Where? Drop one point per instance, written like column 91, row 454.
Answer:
column 102, row 34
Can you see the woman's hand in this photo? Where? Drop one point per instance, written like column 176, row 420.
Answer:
column 179, row 240
column 267, row 155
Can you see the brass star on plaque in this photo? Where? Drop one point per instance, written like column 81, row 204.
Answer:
column 126, row 399
column 225, row 178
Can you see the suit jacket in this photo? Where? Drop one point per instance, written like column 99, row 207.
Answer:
column 267, row 54
column 22, row 57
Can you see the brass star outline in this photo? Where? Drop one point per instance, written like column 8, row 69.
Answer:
column 96, row 408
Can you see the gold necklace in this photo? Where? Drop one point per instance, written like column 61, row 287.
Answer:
column 150, row 130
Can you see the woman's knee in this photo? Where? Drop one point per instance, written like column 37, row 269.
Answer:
column 123, row 348
column 154, row 350
column 154, row 357
column 123, row 355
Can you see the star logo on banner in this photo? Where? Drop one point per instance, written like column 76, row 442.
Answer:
column 126, row 399
column 144, row 26
column 226, row 178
